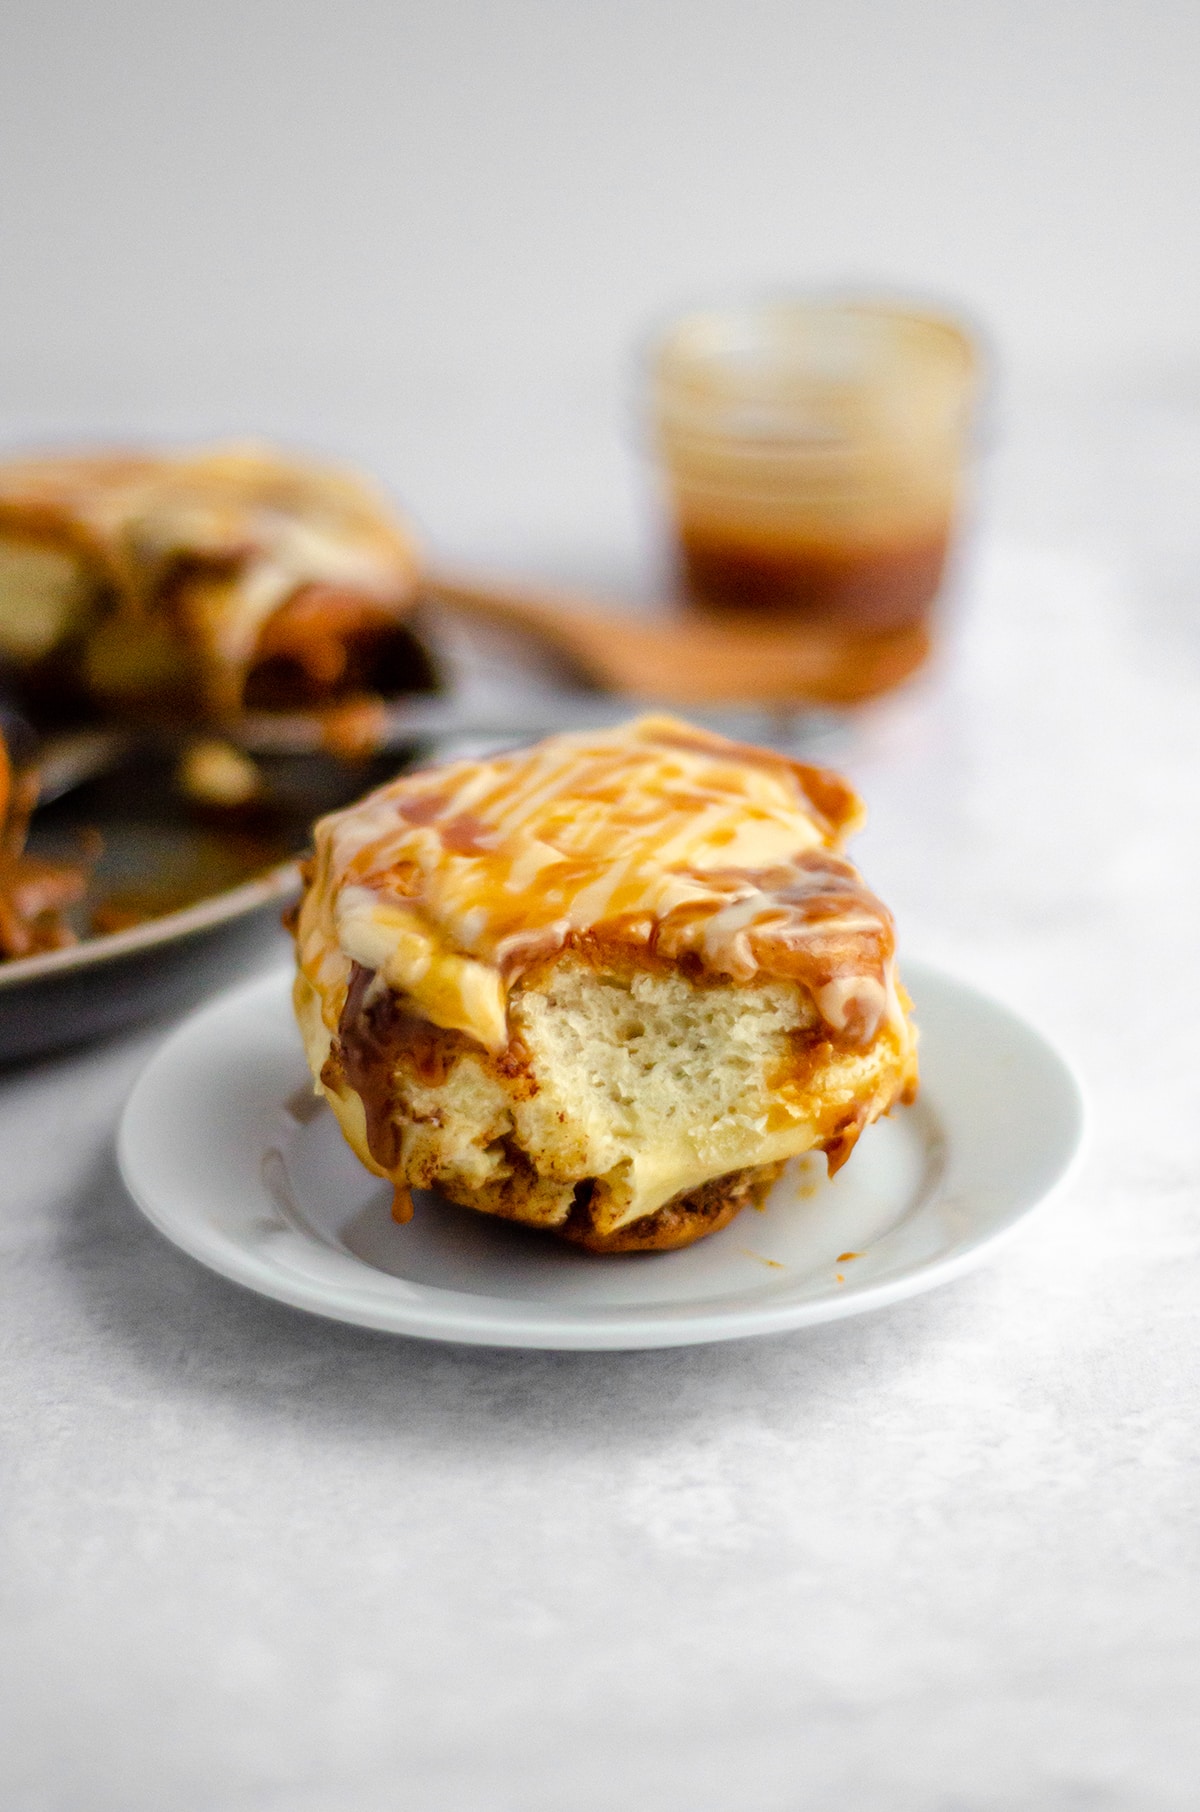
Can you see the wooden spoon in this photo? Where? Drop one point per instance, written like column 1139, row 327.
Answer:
column 692, row 660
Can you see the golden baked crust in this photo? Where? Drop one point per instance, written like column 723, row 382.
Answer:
column 680, row 1222
column 605, row 987
column 203, row 581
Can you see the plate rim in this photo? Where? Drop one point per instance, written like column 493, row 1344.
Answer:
column 275, row 883
column 630, row 1327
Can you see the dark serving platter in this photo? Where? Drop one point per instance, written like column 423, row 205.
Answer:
column 180, row 899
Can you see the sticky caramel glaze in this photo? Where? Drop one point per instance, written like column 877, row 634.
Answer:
column 657, row 839
column 375, row 1030
column 329, row 642
column 867, row 588
column 34, row 894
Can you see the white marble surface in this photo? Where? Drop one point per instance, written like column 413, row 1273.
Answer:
column 942, row 1558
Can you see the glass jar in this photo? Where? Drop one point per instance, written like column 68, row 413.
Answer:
column 814, row 455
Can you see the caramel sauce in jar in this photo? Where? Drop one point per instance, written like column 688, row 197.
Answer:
column 813, row 456
column 872, row 587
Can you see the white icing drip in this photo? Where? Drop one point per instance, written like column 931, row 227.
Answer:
column 858, row 1000
column 653, row 831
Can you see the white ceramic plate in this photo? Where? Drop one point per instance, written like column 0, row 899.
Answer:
column 227, row 1151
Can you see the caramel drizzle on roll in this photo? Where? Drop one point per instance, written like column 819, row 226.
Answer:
column 656, row 839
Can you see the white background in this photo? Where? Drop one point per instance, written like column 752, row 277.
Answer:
column 457, row 188
column 943, row 1559
column 433, row 235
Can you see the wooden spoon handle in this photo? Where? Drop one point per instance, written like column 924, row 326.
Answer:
column 693, row 660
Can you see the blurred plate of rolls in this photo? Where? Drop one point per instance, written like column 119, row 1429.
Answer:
column 201, row 652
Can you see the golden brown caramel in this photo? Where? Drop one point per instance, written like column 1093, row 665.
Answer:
column 866, row 587
column 34, row 895
column 659, row 839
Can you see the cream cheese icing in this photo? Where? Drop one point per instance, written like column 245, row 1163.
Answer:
column 658, row 838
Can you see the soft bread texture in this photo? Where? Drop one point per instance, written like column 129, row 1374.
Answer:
column 612, row 1094
column 631, row 1090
